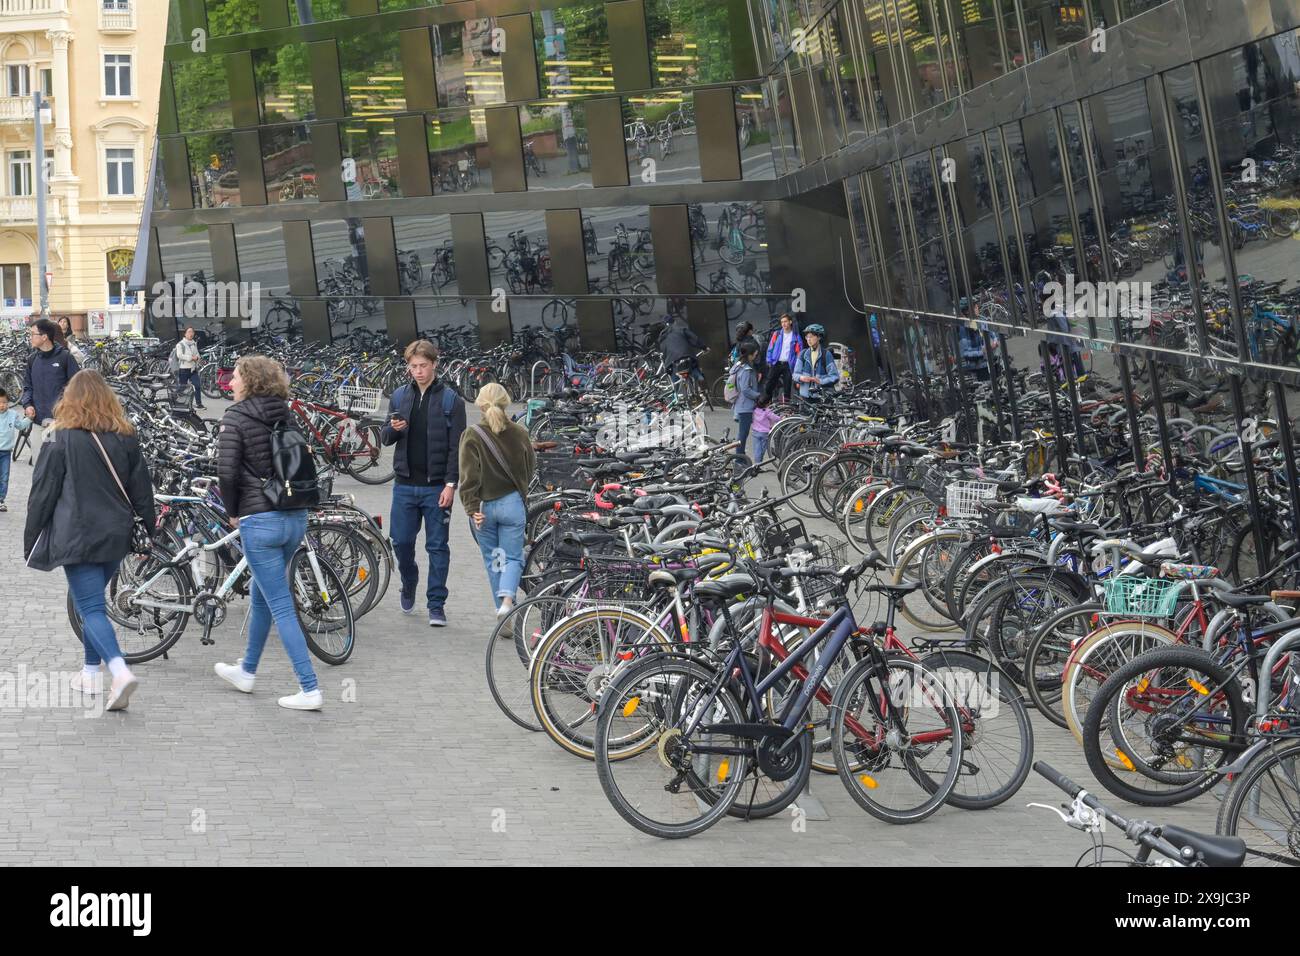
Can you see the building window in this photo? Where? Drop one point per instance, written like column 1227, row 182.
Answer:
column 49, row 168
column 20, row 172
column 121, row 172
column 16, row 285
column 20, row 83
column 118, row 263
column 117, row 74
column 47, row 81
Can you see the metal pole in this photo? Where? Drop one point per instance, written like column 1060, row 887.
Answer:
column 38, row 181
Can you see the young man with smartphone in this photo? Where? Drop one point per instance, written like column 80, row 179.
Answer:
column 425, row 420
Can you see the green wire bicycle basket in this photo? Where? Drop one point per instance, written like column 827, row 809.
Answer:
column 1136, row 596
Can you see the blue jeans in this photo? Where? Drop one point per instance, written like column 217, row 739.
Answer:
column 5, row 458
column 745, row 420
column 190, row 375
column 411, row 505
column 87, row 582
column 270, row 540
column 760, row 446
column 501, row 539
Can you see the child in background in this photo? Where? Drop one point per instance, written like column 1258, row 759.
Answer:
column 11, row 423
column 764, row 419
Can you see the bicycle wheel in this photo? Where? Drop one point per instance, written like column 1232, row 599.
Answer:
column 686, row 778
column 997, row 737
column 1028, row 599
column 1098, row 656
column 1262, row 806
column 925, row 561
column 1171, row 718
column 324, row 610
column 572, row 666
column 363, row 454
column 796, row 478
column 510, row 650
column 144, row 632
column 897, row 739
column 1049, row 650
column 352, row 556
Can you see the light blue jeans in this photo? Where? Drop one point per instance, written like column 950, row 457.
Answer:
column 501, row 539
column 87, row 582
column 270, row 540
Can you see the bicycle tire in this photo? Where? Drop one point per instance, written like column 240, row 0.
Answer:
column 1239, row 797
column 312, row 605
column 172, row 624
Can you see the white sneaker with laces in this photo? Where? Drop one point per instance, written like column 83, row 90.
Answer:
column 235, row 675
column 303, row 700
column 120, row 693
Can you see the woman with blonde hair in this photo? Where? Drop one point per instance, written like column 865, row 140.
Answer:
column 90, row 484
column 269, row 537
column 496, row 466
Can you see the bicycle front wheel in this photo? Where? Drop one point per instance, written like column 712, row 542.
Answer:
column 324, row 610
column 1263, row 807
column 897, row 739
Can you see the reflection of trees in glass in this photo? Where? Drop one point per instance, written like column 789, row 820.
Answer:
column 694, row 28
column 284, row 83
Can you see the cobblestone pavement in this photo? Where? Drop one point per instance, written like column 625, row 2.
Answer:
column 415, row 766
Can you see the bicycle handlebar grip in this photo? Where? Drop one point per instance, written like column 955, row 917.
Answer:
column 1283, row 595
column 1058, row 778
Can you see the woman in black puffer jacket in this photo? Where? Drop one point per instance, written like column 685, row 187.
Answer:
column 269, row 537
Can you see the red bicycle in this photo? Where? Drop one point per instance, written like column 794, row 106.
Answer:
column 346, row 442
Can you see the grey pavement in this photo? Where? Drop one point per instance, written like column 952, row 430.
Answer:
column 409, row 763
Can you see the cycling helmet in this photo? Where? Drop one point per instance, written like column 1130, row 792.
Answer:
column 816, row 329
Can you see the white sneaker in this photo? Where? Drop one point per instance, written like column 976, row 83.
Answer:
column 88, row 685
column 303, row 700
column 120, row 694
column 235, row 676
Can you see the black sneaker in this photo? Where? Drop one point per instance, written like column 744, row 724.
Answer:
column 408, row 601
column 437, row 618
column 3, row 506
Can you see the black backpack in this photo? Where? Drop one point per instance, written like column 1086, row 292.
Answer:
column 293, row 482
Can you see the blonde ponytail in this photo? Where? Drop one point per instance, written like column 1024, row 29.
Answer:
column 492, row 401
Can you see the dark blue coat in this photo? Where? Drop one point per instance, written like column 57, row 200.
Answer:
column 47, row 374
column 443, row 444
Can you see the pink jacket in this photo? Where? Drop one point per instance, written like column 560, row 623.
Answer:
column 764, row 419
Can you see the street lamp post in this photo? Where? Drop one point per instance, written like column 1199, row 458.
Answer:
column 38, row 182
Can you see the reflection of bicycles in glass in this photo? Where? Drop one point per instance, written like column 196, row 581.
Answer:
column 589, row 239
column 638, row 134
column 743, row 129
column 724, row 283
column 531, row 161
column 664, row 135
column 409, row 275
column 302, row 186
column 281, row 315
column 555, row 315
column 443, row 271
column 740, row 231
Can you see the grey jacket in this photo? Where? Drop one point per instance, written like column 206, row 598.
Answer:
column 747, row 392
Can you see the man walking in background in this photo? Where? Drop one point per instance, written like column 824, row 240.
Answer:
column 425, row 420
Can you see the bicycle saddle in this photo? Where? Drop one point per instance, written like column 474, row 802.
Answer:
column 901, row 589
column 655, row 502
column 1235, row 599
column 1218, row 851
column 725, row 588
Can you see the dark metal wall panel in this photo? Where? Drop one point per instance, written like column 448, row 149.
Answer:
column 248, row 160
column 629, row 48
column 568, row 257
column 315, row 315
column 507, row 148
column 244, row 110
column 606, row 142
column 805, row 116
column 327, row 155
column 399, row 317
column 715, row 121
column 176, row 172
column 273, row 14
column 413, row 155
column 471, row 253
column 519, row 59
column 671, row 235
column 493, row 326
column 299, row 256
column 708, row 319
column 381, row 256
column 596, row 325
column 420, row 86
column 326, row 80
column 225, row 268
column 167, row 122
column 153, row 265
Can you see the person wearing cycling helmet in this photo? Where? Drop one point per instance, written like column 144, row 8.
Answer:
column 815, row 367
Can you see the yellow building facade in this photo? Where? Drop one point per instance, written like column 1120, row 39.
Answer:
column 98, row 63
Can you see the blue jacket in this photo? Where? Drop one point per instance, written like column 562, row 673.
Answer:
column 443, row 432
column 47, row 374
column 12, row 421
column 827, row 372
column 774, row 346
column 747, row 391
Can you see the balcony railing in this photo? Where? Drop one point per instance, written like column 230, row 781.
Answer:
column 30, row 8
column 21, row 210
column 18, row 109
column 116, row 16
